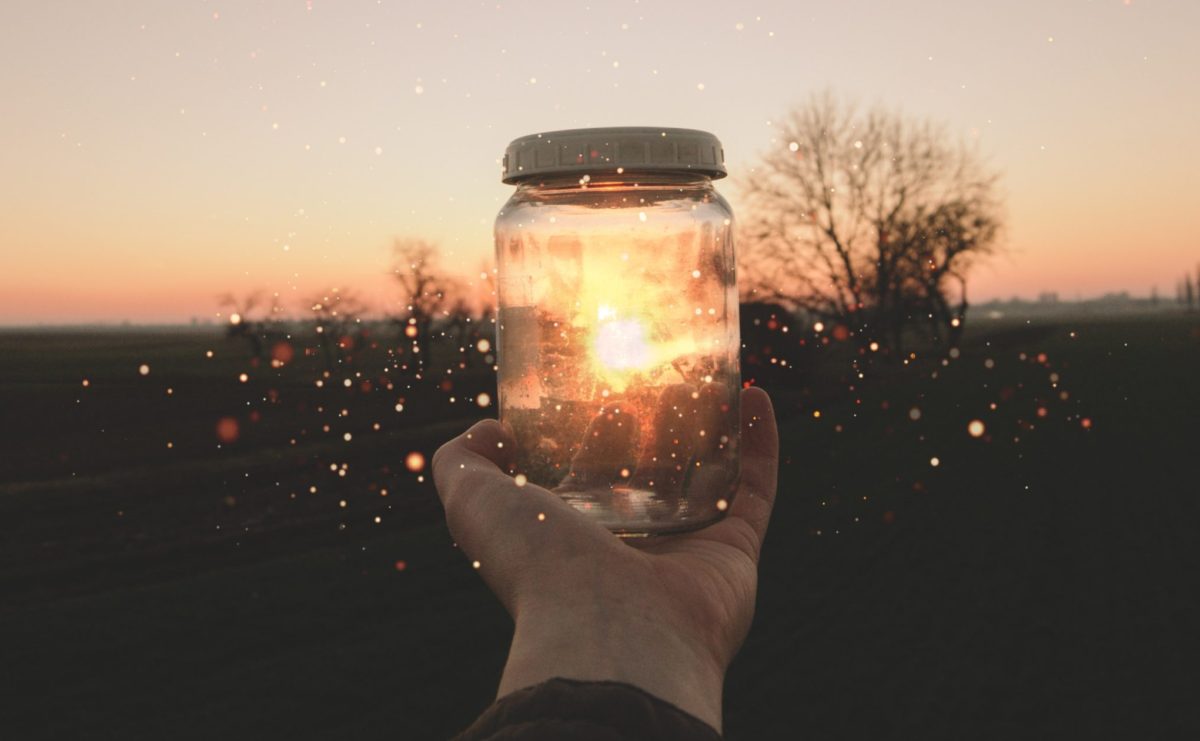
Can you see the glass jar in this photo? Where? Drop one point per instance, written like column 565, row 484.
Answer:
column 618, row 325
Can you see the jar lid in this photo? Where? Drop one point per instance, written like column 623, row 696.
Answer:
column 614, row 149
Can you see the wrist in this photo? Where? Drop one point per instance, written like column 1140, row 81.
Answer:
column 620, row 643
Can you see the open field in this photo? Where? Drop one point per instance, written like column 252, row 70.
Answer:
column 1037, row 582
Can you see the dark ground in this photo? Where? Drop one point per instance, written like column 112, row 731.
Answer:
column 1039, row 582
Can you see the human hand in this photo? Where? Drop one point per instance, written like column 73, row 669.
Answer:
column 665, row 614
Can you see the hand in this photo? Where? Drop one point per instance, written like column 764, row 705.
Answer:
column 666, row 614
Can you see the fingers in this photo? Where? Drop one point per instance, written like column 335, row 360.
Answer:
column 510, row 530
column 713, row 470
column 474, row 455
column 713, row 417
column 604, row 453
column 477, row 494
column 671, row 440
column 490, row 439
column 759, row 464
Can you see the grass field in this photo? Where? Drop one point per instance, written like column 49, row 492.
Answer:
column 1037, row 582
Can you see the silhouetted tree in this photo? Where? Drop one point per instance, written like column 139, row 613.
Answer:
column 337, row 318
column 868, row 220
column 1197, row 284
column 931, row 276
column 425, row 292
column 245, row 322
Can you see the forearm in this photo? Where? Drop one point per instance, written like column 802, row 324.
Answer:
column 622, row 644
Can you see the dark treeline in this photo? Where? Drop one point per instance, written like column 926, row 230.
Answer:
column 337, row 326
column 1187, row 291
column 857, row 226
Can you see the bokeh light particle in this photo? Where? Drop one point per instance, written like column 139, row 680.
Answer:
column 227, row 429
column 414, row 461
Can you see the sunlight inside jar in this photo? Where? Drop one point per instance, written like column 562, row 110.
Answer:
column 621, row 344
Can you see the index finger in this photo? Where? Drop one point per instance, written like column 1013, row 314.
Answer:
column 477, row 494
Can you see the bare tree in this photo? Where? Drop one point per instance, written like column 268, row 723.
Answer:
column 871, row 220
column 337, row 320
column 931, row 280
column 243, row 322
column 425, row 290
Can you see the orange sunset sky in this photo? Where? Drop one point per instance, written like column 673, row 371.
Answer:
column 158, row 154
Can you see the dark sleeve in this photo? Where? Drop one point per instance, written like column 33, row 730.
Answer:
column 560, row 709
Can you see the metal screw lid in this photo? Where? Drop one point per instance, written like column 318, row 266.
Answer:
column 615, row 149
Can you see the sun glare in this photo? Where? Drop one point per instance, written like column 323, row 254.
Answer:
column 621, row 344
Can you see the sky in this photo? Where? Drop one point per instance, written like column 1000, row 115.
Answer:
column 157, row 155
